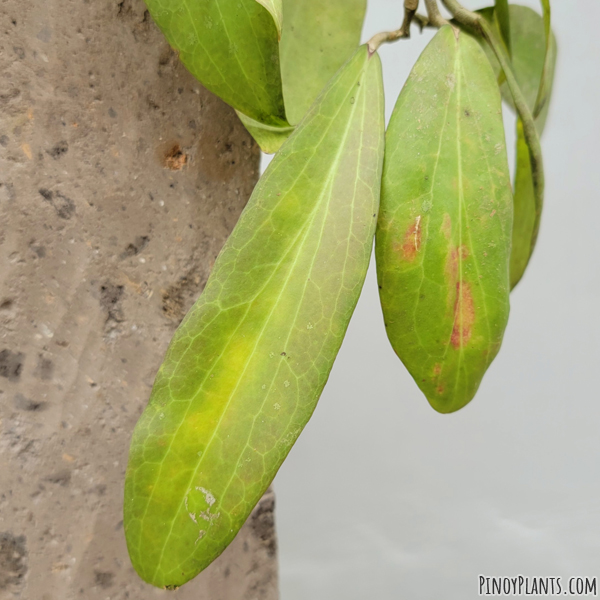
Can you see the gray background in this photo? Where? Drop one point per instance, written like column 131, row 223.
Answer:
column 384, row 498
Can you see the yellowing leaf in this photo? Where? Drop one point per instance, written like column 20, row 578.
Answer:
column 246, row 367
column 443, row 238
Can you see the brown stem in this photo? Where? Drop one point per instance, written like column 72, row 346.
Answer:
column 410, row 15
column 433, row 12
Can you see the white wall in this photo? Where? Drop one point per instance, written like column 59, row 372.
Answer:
column 384, row 498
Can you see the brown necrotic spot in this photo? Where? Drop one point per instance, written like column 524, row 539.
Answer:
column 411, row 243
column 447, row 226
column 464, row 315
column 455, row 257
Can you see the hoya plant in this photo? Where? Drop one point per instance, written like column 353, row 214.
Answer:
column 453, row 236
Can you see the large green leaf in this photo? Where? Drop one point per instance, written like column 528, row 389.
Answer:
column 231, row 47
column 318, row 37
column 443, row 237
column 245, row 369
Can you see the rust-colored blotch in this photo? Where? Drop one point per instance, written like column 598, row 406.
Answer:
column 412, row 241
column 464, row 315
column 454, row 257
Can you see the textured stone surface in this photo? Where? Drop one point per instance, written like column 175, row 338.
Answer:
column 120, row 179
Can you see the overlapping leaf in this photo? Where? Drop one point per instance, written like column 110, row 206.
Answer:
column 502, row 14
column 533, row 55
column 443, row 238
column 231, row 47
column 247, row 365
column 528, row 42
column 318, row 37
column 525, row 213
column 269, row 137
column 548, row 70
column 275, row 7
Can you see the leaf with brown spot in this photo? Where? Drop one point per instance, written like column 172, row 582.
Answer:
column 444, row 231
column 412, row 241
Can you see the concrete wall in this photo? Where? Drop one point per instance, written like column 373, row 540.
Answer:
column 120, row 179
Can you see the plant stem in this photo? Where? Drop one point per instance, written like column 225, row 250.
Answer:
column 463, row 15
column 433, row 12
column 479, row 25
column 410, row 8
column 422, row 21
column 410, row 14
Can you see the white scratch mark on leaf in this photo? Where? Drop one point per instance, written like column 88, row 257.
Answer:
column 210, row 499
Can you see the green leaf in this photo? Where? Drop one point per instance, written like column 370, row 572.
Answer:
column 231, row 47
column 269, row 138
column 318, row 37
column 528, row 43
column 530, row 60
column 534, row 69
column 246, row 367
column 443, row 238
column 503, row 17
column 524, row 202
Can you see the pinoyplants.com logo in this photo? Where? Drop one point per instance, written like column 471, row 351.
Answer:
column 537, row 586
